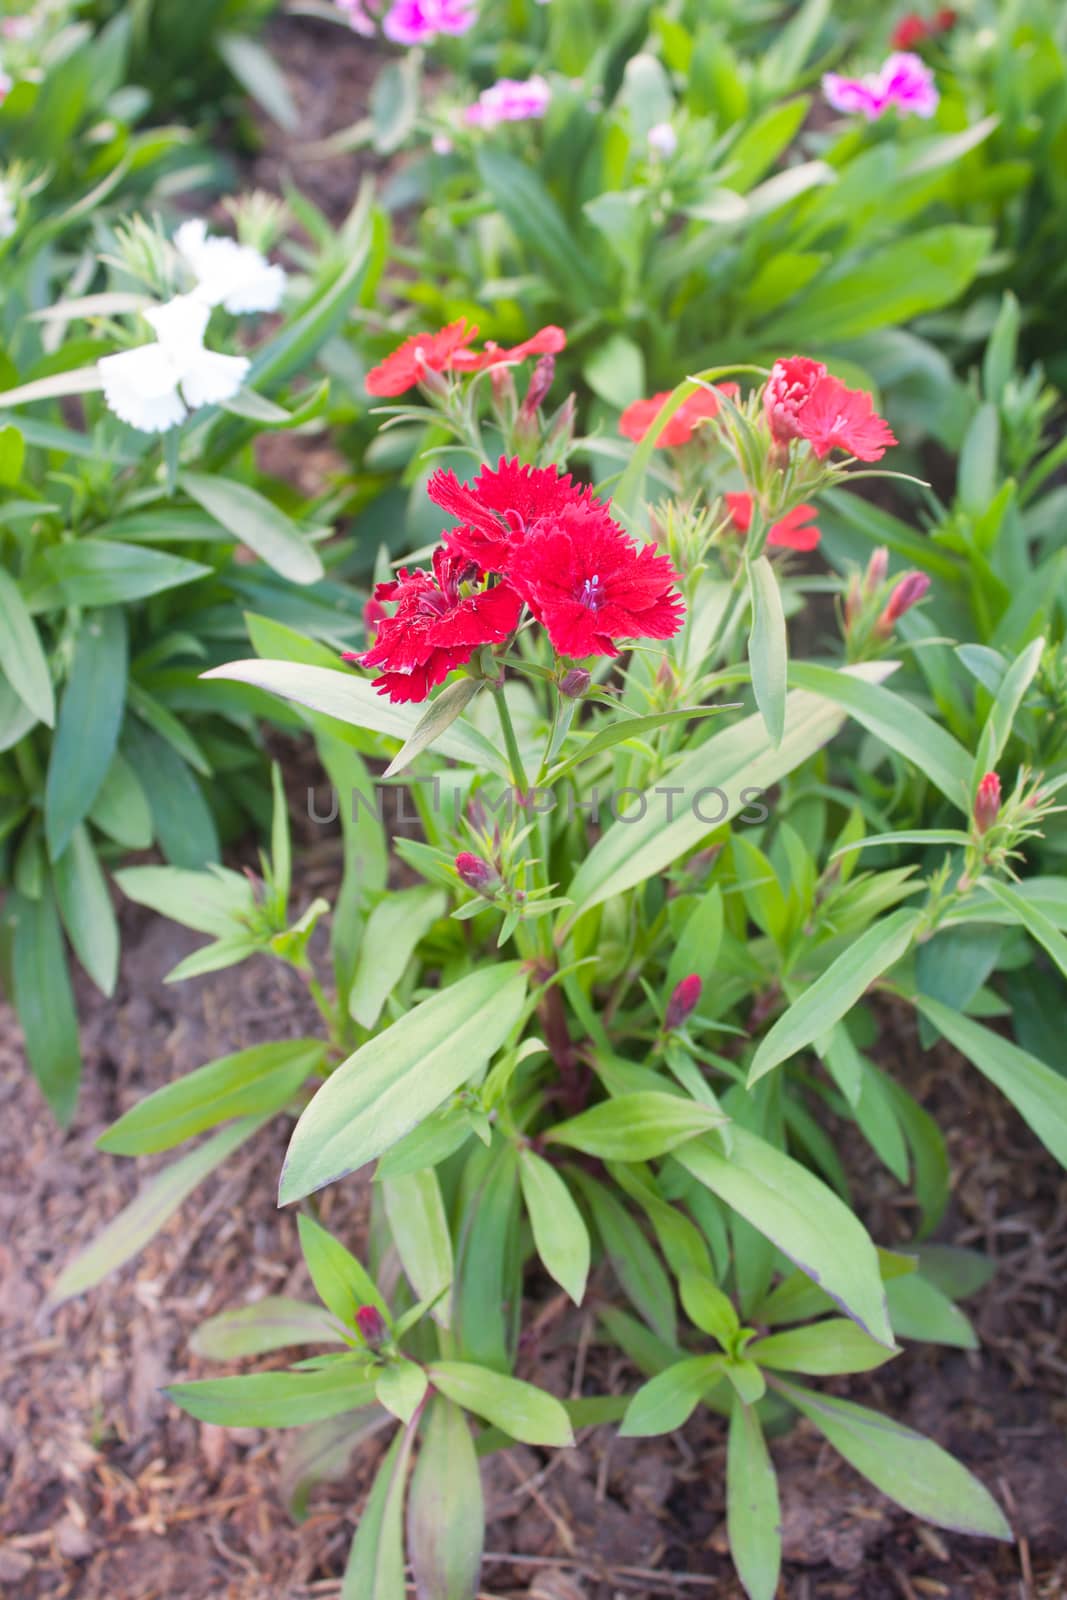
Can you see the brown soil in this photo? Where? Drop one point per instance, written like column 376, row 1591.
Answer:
column 111, row 1494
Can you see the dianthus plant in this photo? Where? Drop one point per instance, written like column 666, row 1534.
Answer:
column 594, row 1026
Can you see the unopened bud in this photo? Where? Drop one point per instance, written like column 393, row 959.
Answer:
column 371, row 1325
column 575, row 683
column 877, row 570
column 539, row 385
column 987, row 803
column 476, row 873
column 505, row 398
column 908, row 592
column 853, row 601
column 560, row 433
column 435, row 384
column 683, row 1002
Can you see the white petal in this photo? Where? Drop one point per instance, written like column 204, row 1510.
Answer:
column 261, row 289
column 189, row 240
column 209, row 378
column 141, row 387
column 180, row 326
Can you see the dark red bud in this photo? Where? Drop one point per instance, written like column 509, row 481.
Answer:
column 575, row 683
column 908, row 592
column 987, row 803
column 371, row 1325
column 476, row 873
column 540, row 384
column 683, row 1002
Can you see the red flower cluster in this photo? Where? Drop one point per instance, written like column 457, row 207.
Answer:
column 552, row 546
column 449, row 351
column 700, row 407
column 802, row 401
column 436, row 626
column 914, row 30
column 795, row 531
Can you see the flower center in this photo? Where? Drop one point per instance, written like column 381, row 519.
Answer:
column 433, row 605
column 592, row 595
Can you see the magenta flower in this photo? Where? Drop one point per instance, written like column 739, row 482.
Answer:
column 903, row 81
column 358, row 18
column 420, row 21
column 509, row 100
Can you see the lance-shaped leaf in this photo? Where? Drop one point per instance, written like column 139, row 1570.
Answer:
column 798, row 1213
column 273, row 1323
column 834, row 994
column 446, row 1508
column 274, row 1399
column 904, row 1465
column 438, row 717
column 668, row 1400
column 22, row 660
column 257, row 523
column 375, row 1569
column 768, row 651
column 519, row 1409
column 636, row 1127
column 559, row 1230
column 752, row 1510
column 399, row 1077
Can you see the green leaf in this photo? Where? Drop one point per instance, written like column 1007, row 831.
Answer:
column 517, row 191
column 22, row 660
column 129, row 1232
column 737, row 761
column 1037, row 1092
column 121, row 807
column 622, row 728
column 708, row 1308
column 1002, row 715
column 836, row 991
column 216, row 902
column 103, row 572
column 633, row 1260
column 636, row 1127
column 697, row 948
column 396, row 1079
column 1037, row 925
column 904, row 1465
column 259, row 76
column 375, row 1568
column 352, row 700
column 898, row 723
column 439, row 715
column 522, row 1411
column 667, row 1401
column 274, row 1399
column 918, row 1309
column 323, row 1452
column 798, row 1213
column 272, row 1323
column 87, row 729
column 753, row 1517
column 44, row 1001
column 768, row 649
column 419, row 1228
column 823, row 1349
column 86, row 909
column 394, row 929
column 891, row 285
column 85, row 380
column 446, row 1508
column 258, row 523
column 401, row 1389
column 341, row 1282
column 258, row 1081
column 560, row 1233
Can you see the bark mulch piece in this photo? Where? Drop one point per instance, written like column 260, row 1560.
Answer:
column 109, row 1493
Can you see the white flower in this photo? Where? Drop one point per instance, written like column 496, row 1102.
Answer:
column 229, row 274
column 8, row 223
column 155, row 386
column 662, row 139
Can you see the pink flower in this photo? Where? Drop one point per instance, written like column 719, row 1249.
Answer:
column 509, row 100
column 420, row 21
column 683, row 1002
column 788, row 390
column 987, row 803
column 903, row 81
column 839, row 418
column 358, row 18
column 476, row 873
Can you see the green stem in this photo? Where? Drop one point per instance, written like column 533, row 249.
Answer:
column 511, row 744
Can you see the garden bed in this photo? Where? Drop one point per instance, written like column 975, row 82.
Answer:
column 110, row 1491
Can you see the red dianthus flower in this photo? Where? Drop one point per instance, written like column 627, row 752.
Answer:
column 435, row 627
column 838, row 418
column 589, row 585
column 795, row 531
column 700, row 407
column 802, row 401
column 420, row 353
column 501, row 507
column 545, row 342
